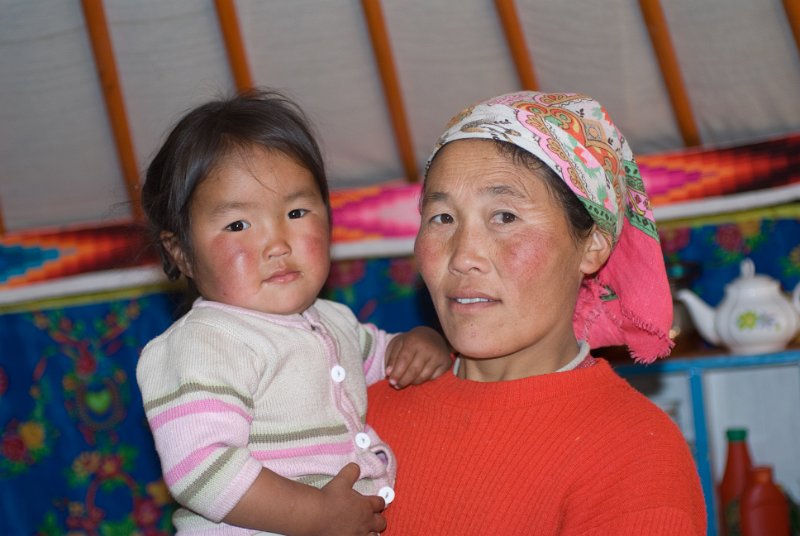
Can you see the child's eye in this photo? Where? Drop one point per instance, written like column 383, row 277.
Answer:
column 239, row 225
column 442, row 218
column 504, row 217
column 298, row 213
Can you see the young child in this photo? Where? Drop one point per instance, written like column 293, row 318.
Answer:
column 257, row 396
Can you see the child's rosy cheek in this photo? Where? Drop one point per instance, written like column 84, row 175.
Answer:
column 318, row 246
column 232, row 253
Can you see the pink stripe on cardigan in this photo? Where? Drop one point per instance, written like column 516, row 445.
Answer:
column 198, row 406
column 188, row 464
column 344, row 447
column 197, row 457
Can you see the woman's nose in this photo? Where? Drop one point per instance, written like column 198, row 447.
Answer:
column 469, row 250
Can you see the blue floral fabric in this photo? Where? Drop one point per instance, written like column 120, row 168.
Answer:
column 75, row 451
column 716, row 250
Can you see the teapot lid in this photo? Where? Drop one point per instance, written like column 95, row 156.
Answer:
column 749, row 279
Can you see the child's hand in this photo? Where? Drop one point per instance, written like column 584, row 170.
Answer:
column 347, row 511
column 416, row 357
column 274, row 503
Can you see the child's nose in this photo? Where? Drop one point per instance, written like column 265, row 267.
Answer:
column 277, row 247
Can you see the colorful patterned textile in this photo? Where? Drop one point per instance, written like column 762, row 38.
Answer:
column 75, row 450
column 45, row 254
column 628, row 301
column 375, row 212
column 378, row 221
column 711, row 249
column 697, row 174
column 386, row 292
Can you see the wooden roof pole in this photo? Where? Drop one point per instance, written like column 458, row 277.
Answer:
column 667, row 60
column 391, row 86
column 234, row 45
column 2, row 220
column 792, row 8
column 97, row 26
column 509, row 18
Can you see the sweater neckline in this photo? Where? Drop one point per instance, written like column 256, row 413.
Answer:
column 472, row 395
column 582, row 359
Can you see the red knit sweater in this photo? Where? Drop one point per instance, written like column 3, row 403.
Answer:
column 578, row 452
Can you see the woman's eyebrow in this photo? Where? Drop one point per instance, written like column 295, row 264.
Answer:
column 499, row 190
column 495, row 190
column 432, row 197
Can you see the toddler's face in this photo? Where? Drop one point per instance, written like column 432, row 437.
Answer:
column 260, row 234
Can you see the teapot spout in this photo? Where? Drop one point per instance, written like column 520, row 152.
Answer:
column 702, row 315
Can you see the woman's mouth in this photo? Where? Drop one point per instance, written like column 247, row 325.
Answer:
column 467, row 301
column 471, row 298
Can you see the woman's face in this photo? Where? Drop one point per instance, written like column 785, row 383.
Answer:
column 495, row 251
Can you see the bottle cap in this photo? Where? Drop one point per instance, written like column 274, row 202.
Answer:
column 736, row 434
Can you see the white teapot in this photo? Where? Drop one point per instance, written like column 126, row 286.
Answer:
column 753, row 317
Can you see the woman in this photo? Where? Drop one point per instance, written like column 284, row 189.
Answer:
column 537, row 243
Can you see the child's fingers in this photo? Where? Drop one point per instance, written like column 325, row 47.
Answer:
column 377, row 503
column 398, row 373
column 430, row 371
column 416, row 370
column 412, row 371
column 399, row 369
column 380, row 523
column 440, row 369
column 348, row 475
column 393, row 353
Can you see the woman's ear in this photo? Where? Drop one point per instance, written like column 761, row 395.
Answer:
column 175, row 250
column 597, row 248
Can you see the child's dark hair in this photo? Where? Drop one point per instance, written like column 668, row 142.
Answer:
column 204, row 138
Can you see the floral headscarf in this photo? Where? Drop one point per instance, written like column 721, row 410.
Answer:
column 628, row 302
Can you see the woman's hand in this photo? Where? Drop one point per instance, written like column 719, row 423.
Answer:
column 416, row 356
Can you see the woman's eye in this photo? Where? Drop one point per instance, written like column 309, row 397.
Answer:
column 504, row 217
column 239, row 225
column 298, row 213
column 442, row 218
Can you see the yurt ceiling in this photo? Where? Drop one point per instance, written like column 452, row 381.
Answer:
column 89, row 88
